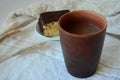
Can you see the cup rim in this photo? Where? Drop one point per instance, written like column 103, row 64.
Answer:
column 83, row 35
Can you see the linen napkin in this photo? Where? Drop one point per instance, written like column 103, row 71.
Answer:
column 27, row 55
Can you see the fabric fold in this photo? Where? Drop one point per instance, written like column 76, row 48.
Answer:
column 26, row 55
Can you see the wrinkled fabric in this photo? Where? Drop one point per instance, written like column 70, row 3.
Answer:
column 27, row 55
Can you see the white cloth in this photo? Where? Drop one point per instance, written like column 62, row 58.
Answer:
column 26, row 55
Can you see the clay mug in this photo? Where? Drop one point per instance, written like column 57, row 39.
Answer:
column 81, row 52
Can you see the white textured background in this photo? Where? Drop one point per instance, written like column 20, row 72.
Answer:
column 44, row 61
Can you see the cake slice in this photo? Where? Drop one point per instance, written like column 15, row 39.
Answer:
column 48, row 22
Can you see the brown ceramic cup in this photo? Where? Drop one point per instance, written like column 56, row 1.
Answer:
column 81, row 51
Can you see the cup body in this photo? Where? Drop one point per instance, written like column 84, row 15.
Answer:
column 82, row 52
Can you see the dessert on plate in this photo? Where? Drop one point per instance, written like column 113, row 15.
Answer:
column 48, row 22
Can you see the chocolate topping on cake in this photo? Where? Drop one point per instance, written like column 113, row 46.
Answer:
column 45, row 22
